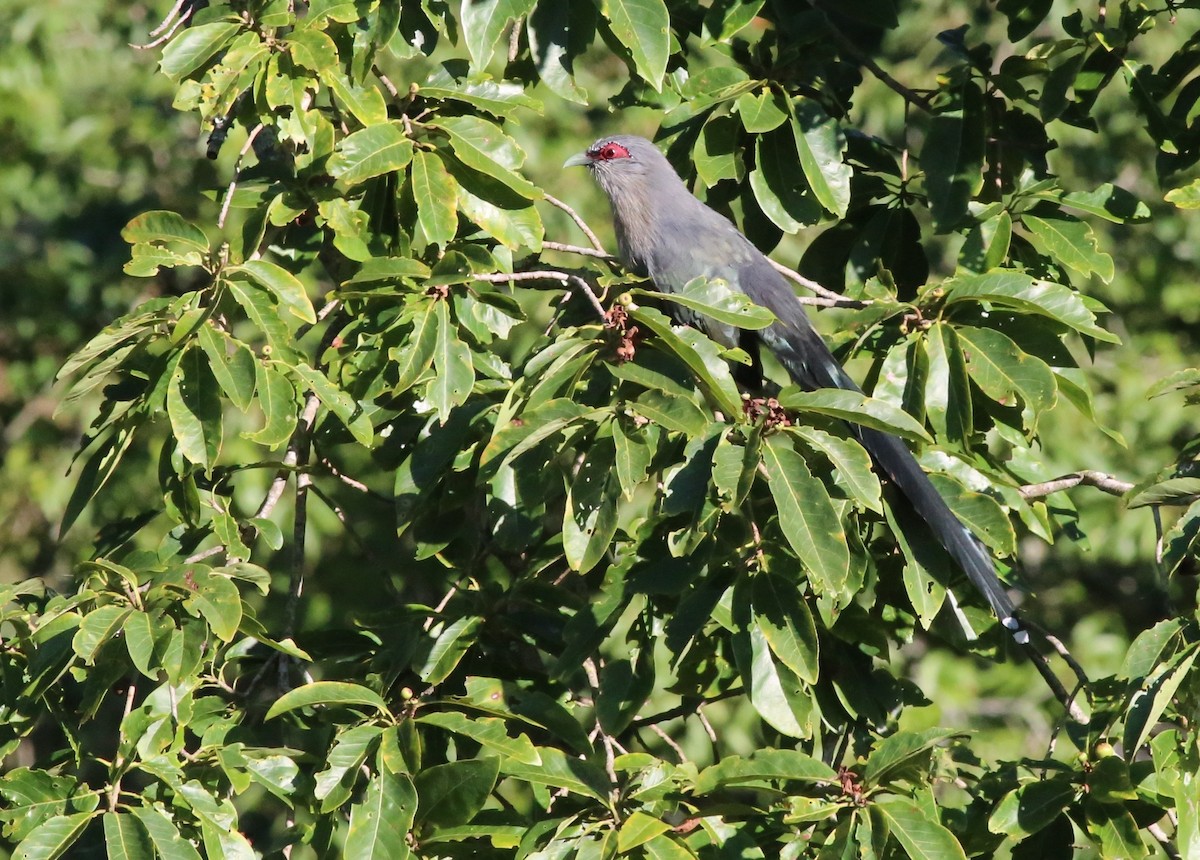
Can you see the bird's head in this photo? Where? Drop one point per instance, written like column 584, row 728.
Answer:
column 623, row 163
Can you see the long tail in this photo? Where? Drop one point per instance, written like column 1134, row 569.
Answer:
column 809, row 362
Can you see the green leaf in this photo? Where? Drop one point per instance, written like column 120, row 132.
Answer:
column 855, row 408
column 1108, row 201
column 634, row 452
column 762, row 112
column 327, row 693
column 364, row 101
column 231, row 362
column 855, row 471
column 1155, row 694
column 454, row 793
column 552, row 49
column 488, row 731
column 716, row 299
column 482, row 146
column 145, row 635
column 807, row 516
column 764, row 766
column 372, row 151
column 484, row 22
column 638, row 829
column 1185, row 197
column 498, row 99
column 896, row 756
column 952, row 156
column 98, row 627
column 337, row 401
column 515, row 228
column 664, row 847
column 948, row 390
column 415, row 356
column 642, row 26
column 717, row 153
column 1032, row 807
column 775, row 182
column 981, row 513
column 31, row 798
column 168, row 843
column 380, row 823
column 557, row 770
column 161, row 226
column 679, row 414
column 1113, row 826
column 454, row 374
column 1003, row 371
column 312, row 49
column 286, row 287
column 52, row 839
column 96, row 471
column 775, row 691
column 786, row 622
column 987, row 244
column 335, row 784
column 590, row 515
column 1070, row 242
column 734, row 467
column 263, row 310
column 195, row 46
column 820, row 144
column 1173, row 491
column 217, row 598
column 277, row 399
column 194, row 408
column 1020, row 292
column 920, row 835
column 725, row 18
column 449, row 648
column 436, row 194
column 398, row 269
column 125, row 838
column 700, row 356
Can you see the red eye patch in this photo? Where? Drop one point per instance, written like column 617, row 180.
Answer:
column 608, row 151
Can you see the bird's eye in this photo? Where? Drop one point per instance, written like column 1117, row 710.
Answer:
column 609, row 151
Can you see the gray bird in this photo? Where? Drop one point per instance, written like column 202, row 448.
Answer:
column 665, row 233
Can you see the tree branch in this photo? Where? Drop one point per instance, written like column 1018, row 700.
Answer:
column 546, row 275
column 579, row 222
column 1088, row 478
column 825, row 297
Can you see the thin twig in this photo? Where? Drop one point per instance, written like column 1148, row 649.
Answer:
column 577, row 249
column 114, row 792
column 169, row 24
column 1164, row 840
column 1088, row 478
column 684, row 709
column 593, row 679
column 579, row 222
column 383, row 79
column 850, row 48
column 703, row 717
column 825, row 296
column 546, row 275
column 206, row 553
column 514, row 40
column 1067, row 700
column 237, row 172
column 302, row 444
column 657, row 729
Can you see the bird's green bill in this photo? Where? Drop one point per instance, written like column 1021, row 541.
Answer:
column 579, row 160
